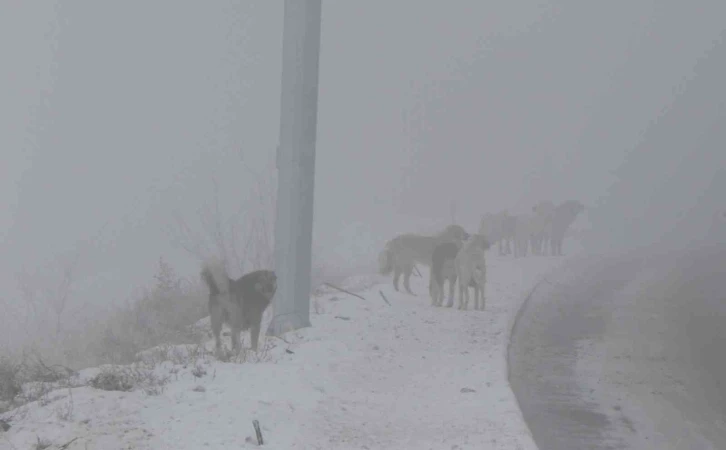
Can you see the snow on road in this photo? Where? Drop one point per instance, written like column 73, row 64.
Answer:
column 367, row 375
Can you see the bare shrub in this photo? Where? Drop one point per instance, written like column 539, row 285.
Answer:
column 243, row 240
column 199, row 371
column 161, row 316
column 47, row 291
column 127, row 378
column 35, row 368
column 28, row 378
column 176, row 354
column 112, row 381
column 41, row 444
column 64, row 411
column 163, row 313
column 10, row 384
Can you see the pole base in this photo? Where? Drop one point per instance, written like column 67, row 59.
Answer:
column 287, row 322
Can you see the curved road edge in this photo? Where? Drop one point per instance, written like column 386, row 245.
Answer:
column 624, row 352
column 541, row 283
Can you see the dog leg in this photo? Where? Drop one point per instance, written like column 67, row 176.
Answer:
column 255, row 335
column 440, row 294
column 461, row 291
column 452, row 287
column 215, row 317
column 236, row 341
column 452, row 293
column 407, row 279
column 396, row 277
column 440, row 300
column 433, row 291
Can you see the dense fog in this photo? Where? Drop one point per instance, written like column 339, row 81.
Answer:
column 118, row 119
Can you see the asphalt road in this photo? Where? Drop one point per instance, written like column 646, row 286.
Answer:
column 625, row 352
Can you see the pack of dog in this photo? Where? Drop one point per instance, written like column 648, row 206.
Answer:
column 541, row 232
column 465, row 262
column 404, row 251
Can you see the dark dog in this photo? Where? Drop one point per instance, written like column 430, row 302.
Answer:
column 442, row 269
column 238, row 303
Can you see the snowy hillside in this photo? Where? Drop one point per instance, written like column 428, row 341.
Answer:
column 372, row 373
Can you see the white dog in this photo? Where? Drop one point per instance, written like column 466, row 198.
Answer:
column 471, row 271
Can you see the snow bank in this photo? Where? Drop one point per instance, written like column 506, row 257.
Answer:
column 368, row 374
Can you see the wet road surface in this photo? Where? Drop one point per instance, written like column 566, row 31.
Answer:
column 625, row 352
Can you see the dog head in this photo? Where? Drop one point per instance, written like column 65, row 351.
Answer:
column 575, row 207
column 545, row 209
column 385, row 263
column 481, row 241
column 570, row 208
column 456, row 233
column 266, row 283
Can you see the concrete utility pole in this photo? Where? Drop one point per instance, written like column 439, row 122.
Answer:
column 296, row 165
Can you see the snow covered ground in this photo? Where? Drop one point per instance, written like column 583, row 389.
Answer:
column 367, row 375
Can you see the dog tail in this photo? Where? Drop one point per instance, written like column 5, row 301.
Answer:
column 385, row 260
column 215, row 276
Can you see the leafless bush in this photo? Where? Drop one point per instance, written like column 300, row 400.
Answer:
column 127, row 378
column 42, row 444
column 199, row 371
column 244, row 240
column 64, row 411
column 187, row 354
column 263, row 353
column 47, row 292
column 10, row 383
column 161, row 316
column 29, row 378
column 112, row 381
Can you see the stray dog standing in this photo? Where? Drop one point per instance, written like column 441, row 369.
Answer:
column 405, row 250
column 471, row 270
column 541, row 231
column 498, row 228
column 443, row 269
column 238, row 303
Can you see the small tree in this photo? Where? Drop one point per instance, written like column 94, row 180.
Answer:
column 52, row 287
column 168, row 282
column 243, row 241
